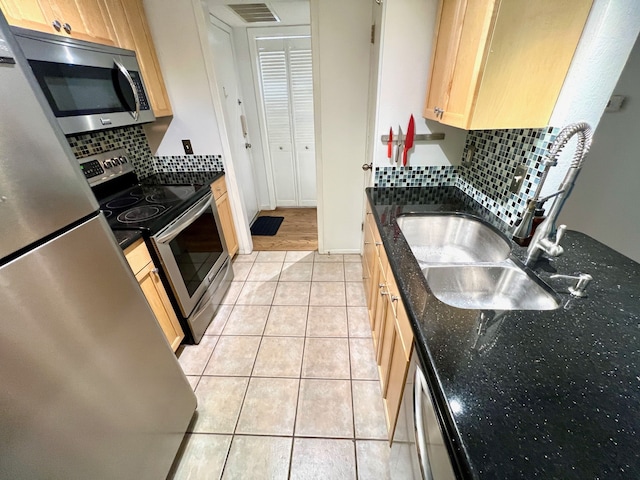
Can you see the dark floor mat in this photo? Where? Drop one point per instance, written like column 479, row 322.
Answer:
column 266, row 226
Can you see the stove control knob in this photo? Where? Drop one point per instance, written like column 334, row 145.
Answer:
column 123, row 159
column 115, row 161
column 108, row 164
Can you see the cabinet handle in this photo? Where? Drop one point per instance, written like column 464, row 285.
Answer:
column 67, row 28
column 394, row 298
column 154, row 270
column 57, row 25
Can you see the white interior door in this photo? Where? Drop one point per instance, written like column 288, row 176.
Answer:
column 228, row 86
column 286, row 88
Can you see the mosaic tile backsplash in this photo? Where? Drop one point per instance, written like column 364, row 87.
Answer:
column 487, row 178
column 189, row 163
column 498, row 153
column 134, row 140
column 441, row 176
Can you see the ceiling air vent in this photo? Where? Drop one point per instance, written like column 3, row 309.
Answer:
column 254, row 12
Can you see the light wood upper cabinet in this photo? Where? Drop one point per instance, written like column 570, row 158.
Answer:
column 219, row 189
column 142, row 266
column 501, row 64
column 131, row 31
column 82, row 19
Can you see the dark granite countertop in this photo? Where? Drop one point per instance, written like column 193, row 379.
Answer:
column 126, row 238
column 530, row 394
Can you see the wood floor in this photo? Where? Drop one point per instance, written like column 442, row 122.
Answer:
column 298, row 231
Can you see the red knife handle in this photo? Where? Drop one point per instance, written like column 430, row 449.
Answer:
column 404, row 156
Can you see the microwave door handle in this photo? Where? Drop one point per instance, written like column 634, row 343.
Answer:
column 134, row 90
column 174, row 229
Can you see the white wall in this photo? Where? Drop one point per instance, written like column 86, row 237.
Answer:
column 604, row 47
column 407, row 40
column 340, row 35
column 177, row 42
column 604, row 203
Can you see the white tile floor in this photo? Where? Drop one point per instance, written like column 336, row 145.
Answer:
column 285, row 376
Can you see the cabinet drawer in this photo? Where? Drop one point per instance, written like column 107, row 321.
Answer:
column 219, row 188
column 137, row 256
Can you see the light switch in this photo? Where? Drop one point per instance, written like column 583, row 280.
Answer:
column 518, row 178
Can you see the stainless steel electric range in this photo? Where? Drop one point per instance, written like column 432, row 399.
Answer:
column 178, row 219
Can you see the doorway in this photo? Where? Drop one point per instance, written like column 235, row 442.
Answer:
column 275, row 58
column 221, row 42
column 283, row 82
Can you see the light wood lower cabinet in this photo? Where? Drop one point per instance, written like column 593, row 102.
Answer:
column 219, row 189
column 391, row 330
column 147, row 275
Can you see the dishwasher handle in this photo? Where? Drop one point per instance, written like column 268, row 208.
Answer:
column 419, row 391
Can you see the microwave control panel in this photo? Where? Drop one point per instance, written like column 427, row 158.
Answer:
column 105, row 166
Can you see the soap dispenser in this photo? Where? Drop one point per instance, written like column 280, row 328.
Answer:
column 538, row 218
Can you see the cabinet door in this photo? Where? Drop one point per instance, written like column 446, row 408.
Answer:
column 226, row 221
column 368, row 257
column 445, row 52
column 160, row 305
column 398, row 367
column 85, row 19
column 131, row 31
column 27, row 14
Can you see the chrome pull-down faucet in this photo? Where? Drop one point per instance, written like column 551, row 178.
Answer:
column 543, row 241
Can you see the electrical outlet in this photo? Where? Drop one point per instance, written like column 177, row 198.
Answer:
column 468, row 158
column 518, row 178
column 188, row 149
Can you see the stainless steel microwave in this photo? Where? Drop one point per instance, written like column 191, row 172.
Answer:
column 88, row 86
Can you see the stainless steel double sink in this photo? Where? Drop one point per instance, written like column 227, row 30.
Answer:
column 467, row 264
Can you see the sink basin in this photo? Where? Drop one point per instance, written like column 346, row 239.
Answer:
column 490, row 287
column 438, row 238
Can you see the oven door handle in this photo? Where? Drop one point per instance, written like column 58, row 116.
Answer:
column 172, row 230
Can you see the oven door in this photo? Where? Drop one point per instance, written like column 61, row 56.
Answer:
column 192, row 252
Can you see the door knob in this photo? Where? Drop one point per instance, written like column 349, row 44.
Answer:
column 247, row 145
column 367, row 166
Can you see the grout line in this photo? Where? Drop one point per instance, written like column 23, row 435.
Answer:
column 295, row 416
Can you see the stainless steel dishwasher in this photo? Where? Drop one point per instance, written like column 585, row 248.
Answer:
column 418, row 451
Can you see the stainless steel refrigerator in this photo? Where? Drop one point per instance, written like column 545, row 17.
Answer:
column 89, row 388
